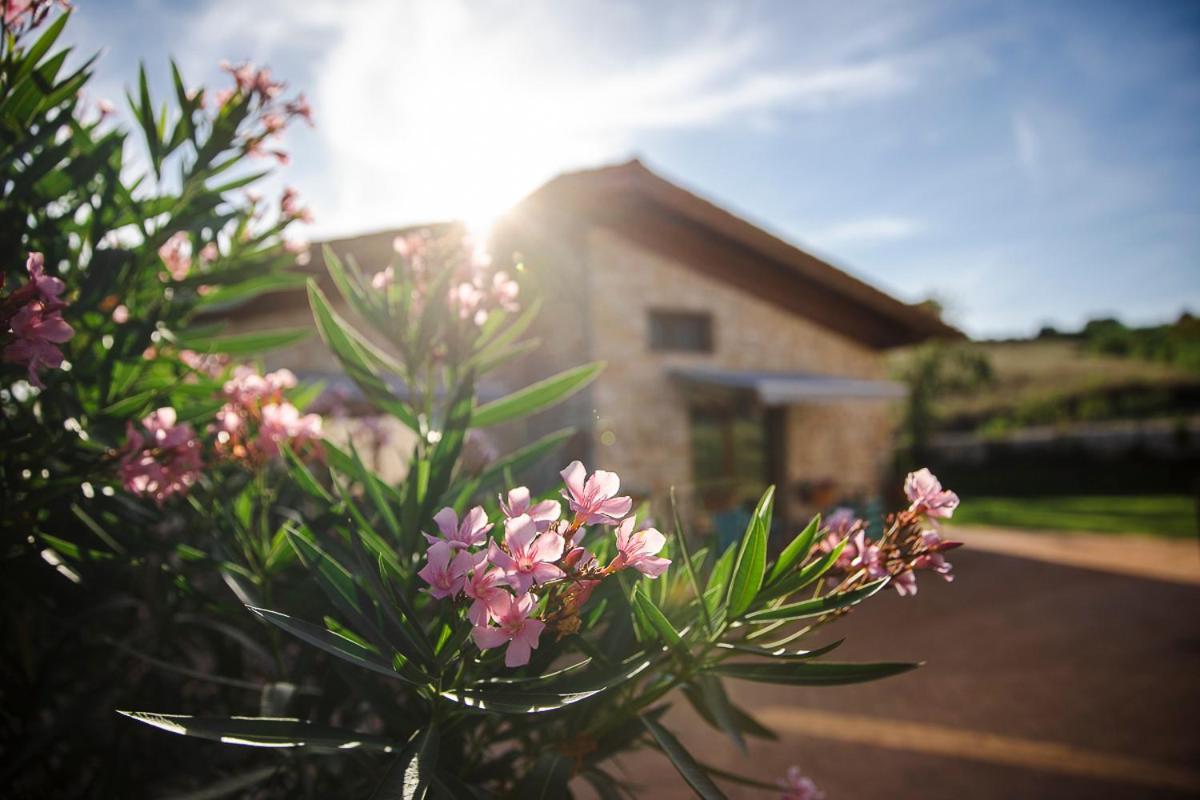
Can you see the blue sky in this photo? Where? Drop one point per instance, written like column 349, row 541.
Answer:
column 1025, row 162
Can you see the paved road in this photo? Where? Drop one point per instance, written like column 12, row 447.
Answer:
column 1042, row 681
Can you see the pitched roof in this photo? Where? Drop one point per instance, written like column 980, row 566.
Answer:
column 662, row 215
column 639, row 203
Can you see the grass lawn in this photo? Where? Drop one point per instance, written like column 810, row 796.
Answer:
column 1170, row 515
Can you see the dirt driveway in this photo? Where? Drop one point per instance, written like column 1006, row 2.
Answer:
column 1042, row 681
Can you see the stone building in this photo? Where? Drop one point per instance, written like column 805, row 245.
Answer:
column 734, row 359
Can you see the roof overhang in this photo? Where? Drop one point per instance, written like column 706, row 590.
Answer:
column 789, row 388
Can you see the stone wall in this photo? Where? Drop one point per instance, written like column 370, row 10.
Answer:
column 642, row 429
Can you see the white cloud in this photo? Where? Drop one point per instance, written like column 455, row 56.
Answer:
column 867, row 231
column 445, row 108
column 1028, row 143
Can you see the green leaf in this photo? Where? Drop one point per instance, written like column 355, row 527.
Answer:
column 711, row 702
column 796, row 551
column 359, row 358
column 410, row 775
column 687, row 767
column 537, row 396
column 660, row 623
column 780, row 652
column 751, row 560
column 249, row 289
column 264, row 732
column 810, row 673
column 332, row 643
column 303, row 476
column 818, row 605
column 243, row 344
column 522, row 700
column 718, row 581
column 548, row 779
column 796, row 581
column 688, row 565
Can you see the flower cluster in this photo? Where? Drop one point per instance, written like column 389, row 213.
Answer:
column 910, row 543
column 256, row 418
column 507, row 580
column 161, row 460
column 31, row 321
column 270, row 113
column 20, row 16
column 796, row 786
column 475, row 288
column 165, row 459
column 176, row 255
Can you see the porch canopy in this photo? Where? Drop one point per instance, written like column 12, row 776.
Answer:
column 787, row 388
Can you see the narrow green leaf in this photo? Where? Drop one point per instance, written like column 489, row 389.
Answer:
column 410, row 774
column 243, row 344
column 751, row 562
column 331, row 643
column 660, row 623
column 537, row 396
column 796, row 581
column 818, row 605
column 796, row 551
column 264, row 732
column 360, row 359
column 688, row 565
column 780, row 652
column 687, row 767
column 548, row 779
column 718, row 582
column 810, row 673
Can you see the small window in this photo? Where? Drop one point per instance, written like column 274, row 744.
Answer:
column 681, row 331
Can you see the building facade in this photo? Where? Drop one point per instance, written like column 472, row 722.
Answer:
column 733, row 359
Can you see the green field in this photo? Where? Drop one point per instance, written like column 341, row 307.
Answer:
column 1171, row 515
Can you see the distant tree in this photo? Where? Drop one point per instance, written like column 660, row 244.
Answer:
column 932, row 371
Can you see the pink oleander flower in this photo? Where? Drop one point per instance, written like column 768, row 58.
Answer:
column 595, row 500
column 542, row 514
column 47, row 286
column 223, row 96
column 37, row 333
column 579, row 559
column 905, row 583
column 639, row 550
column 840, row 521
column 282, row 422
column 383, row 279
column 243, row 75
column 105, row 108
column 290, row 208
column 505, row 291
column 831, row 541
column 300, row 108
column 162, row 462
column 530, row 555
column 176, row 254
column 867, row 556
column 927, row 496
column 209, row 253
column 471, row 532
column 515, row 627
column 932, row 558
column 797, row 787
column 445, row 571
column 120, row 314
column 467, row 299
column 487, row 588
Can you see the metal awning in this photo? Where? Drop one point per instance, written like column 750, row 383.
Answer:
column 785, row 388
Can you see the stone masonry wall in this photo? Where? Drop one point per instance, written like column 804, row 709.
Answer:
column 642, row 428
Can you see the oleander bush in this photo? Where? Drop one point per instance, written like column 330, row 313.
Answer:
column 182, row 539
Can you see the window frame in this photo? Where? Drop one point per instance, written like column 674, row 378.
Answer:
column 661, row 339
